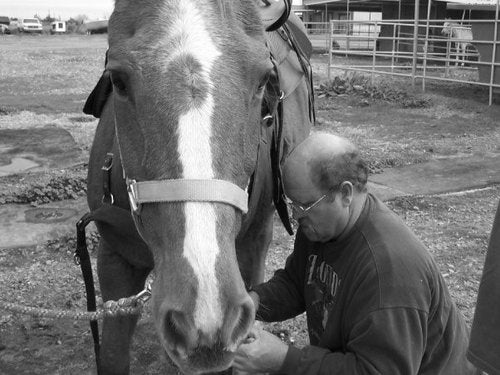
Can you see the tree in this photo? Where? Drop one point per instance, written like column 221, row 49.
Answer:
column 48, row 19
column 81, row 18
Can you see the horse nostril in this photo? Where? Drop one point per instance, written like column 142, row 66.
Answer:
column 179, row 332
column 185, row 339
column 243, row 321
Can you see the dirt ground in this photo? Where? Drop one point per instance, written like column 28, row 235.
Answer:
column 44, row 82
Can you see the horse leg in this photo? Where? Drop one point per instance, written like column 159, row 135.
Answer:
column 117, row 279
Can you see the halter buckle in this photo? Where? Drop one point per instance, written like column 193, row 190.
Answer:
column 267, row 120
column 145, row 294
column 132, row 196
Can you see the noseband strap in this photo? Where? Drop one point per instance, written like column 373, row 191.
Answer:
column 183, row 190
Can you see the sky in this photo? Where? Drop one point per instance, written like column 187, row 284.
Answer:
column 94, row 9
column 65, row 9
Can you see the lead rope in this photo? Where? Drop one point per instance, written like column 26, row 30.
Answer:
column 124, row 306
column 82, row 258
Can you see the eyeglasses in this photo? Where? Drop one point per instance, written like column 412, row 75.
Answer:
column 302, row 210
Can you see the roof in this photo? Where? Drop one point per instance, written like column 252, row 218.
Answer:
column 471, row 4
column 319, row 2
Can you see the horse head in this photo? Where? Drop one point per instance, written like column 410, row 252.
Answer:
column 188, row 81
column 448, row 27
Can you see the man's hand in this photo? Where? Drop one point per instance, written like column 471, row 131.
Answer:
column 261, row 352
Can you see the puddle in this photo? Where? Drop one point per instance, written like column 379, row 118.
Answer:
column 17, row 165
column 48, row 215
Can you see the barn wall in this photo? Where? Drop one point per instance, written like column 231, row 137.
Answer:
column 390, row 12
column 485, row 31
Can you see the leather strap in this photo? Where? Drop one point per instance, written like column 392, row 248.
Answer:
column 276, row 25
column 107, row 196
column 116, row 217
column 82, row 258
column 186, row 190
column 276, row 151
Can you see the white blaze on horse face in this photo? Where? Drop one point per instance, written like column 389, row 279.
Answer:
column 195, row 130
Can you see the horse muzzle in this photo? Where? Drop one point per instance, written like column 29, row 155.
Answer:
column 196, row 349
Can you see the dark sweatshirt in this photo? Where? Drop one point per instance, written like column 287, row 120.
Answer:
column 484, row 346
column 376, row 303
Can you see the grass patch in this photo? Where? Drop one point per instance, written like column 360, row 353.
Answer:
column 44, row 187
column 82, row 119
column 362, row 86
column 4, row 111
column 455, row 228
column 379, row 150
column 57, row 189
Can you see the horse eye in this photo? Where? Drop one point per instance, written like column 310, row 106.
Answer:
column 119, row 80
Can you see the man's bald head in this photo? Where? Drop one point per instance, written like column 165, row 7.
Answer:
column 326, row 160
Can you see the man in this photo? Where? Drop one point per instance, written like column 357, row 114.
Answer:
column 484, row 347
column 375, row 300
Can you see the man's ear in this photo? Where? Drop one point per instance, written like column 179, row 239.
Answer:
column 346, row 191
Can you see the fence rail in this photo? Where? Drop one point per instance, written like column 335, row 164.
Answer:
column 417, row 49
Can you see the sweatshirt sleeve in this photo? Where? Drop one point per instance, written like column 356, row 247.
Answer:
column 387, row 341
column 282, row 297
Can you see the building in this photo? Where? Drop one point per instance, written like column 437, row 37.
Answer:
column 351, row 11
column 58, row 27
column 4, row 20
column 473, row 12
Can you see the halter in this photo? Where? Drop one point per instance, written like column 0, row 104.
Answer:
column 181, row 190
column 184, row 190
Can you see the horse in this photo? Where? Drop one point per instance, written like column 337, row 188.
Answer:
column 461, row 36
column 188, row 189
